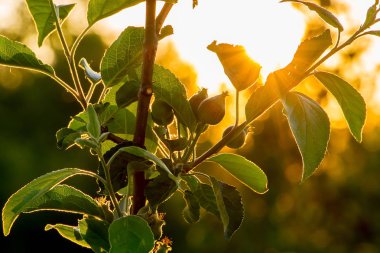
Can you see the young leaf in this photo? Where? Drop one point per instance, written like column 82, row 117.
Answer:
column 191, row 213
column 92, row 75
column 310, row 127
column 326, row 15
column 349, row 99
column 130, row 234
column 66, row 199
column 95, row 233
column 371, row 16
column 44, row 17
column 93, row 125
column 21, row 200
column 66, row 137
column 124, row 55
column 149, row 156
column 15, row 54
column 159, row 190
column 281, row 81
column 238, row 66
column 168, row 88
column 243, row 170
column 230, row 206
column 70, row 233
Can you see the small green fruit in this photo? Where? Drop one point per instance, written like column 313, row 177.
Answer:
column 162, row 113
column 212, row 110
column 236, row 142
column 196, row 99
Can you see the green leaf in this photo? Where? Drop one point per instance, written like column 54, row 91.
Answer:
column 15, row 54
column 326, row 15
column 349, row 99
column 243, row 170
column 191, row 213
column 123, row 56
column 203, row 193
column 66, row 137
column 127, row 93
column 168, row 88
column 93, row 125
column 44, row 17
column 137, row 151
column 130, row 234
column 92, row 75
column 99, row 9
column 281, row 81
column 159, row 190
column 309, row 51
column 70, row 233
column 95, row 233
column 66, row 199
column 230, row 206
column 20, row 201
column 311, row 129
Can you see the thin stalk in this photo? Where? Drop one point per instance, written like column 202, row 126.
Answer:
column 74, row 74
column 77, row 41
column 64, row 85
column 109, row 184
column 190, row 150
column 145, row 94
column 237, row 108
column 162, row 16
column 91, row 91
column 102, row 94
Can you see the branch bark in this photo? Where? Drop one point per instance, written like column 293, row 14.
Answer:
column 145, row 94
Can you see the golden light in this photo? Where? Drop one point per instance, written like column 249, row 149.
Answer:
column 269, row 31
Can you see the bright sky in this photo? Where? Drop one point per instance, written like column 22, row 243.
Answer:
column 270, row 31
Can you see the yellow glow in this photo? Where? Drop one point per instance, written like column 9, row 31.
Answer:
column 269, row 31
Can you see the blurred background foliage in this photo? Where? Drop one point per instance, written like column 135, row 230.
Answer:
column 337, row 210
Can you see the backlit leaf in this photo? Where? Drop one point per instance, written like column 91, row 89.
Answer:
column 95, row 233
column 243, row 170
column 160, row 189
column 230, row 206
column 20, row 201
column 130, row 234
column 326, row 15
column 191, row 213
column 44, row 17
column 70, row 233
column 349, row 99
column 310, row 127
column 66, row 199
column 15, row 54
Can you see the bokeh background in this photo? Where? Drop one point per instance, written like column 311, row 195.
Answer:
column 337, row 210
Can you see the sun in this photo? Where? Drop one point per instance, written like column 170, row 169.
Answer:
column 269, row 31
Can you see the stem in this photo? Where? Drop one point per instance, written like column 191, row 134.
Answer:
column 74, row 74
column 145, row 94
column 64, row 85
column 77, row 42
column 103, row 93
column 237, row 108
column 162, row 16
column 218, row 146
column 109, row 184
column 91, row 91
column 190, row 150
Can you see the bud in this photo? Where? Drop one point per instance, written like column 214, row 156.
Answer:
column 212, row 110
column 236, row 142
column 162, row 113
column 196, row 99
column 238, row 66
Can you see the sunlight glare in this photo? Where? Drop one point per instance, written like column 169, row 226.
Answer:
column 269, row 31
